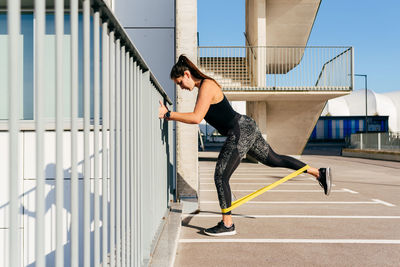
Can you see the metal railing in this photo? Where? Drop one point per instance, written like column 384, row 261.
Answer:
column 375, row 141
column 250, row 68
column 94, row 189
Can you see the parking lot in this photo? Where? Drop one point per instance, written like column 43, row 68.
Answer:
column 295, row 224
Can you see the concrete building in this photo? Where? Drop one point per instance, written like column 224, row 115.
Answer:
column 378, row 104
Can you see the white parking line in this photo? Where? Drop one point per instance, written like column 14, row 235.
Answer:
column 290, row 191
column 384, row 202
column 318, row 241
column 375, row 201
column 286, row 183
column 295, row 216
column 252, row 178
column 350, row 191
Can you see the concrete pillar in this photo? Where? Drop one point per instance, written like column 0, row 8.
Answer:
column 256, row 26
column 186, row 134
column 286, row 124
column 258, row 111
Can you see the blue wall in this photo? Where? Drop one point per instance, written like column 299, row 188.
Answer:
column 337, row 128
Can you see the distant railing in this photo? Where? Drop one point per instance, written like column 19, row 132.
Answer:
column 92, row 187
column 254, row 68
column 376, row 141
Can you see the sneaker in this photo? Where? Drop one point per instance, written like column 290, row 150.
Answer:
column 220, row 229
column 325, row 179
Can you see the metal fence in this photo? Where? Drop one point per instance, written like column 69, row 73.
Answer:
column 375, row 141
column 279, row 68
column 88, row 187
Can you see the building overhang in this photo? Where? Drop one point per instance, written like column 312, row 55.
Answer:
column 289, row 22
column 283, row 95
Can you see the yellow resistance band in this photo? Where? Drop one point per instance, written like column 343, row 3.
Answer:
column 244, row 199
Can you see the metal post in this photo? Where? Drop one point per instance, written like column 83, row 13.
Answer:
column 366, row 105
column 13, row 23
column 379, row 141
column 132, row 160
column 96, row 149
column 136, row 163
column 366, row 100
column 39, row 84
column 127, row 158
column 123, row 158
column 118, row 152
column 74, row 132
column 59, row 26
column 105, row 90
column 112, row 150
column 86, row 107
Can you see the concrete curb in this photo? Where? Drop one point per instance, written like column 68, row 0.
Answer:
column 165, row 250
column 371, row 154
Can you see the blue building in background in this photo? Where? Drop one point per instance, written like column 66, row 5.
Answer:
column 340, row 127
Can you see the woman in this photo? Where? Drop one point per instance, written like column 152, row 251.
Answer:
column 243, row 136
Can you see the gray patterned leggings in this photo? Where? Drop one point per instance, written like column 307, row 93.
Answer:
column 245, row 137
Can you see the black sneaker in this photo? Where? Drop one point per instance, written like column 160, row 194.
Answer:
column 325, row 179
column 220, row 229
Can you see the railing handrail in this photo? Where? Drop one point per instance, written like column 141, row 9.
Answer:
column 272, row 46
column 329, row 61
column 114, row 24
column 248, row 42
column 284, row 67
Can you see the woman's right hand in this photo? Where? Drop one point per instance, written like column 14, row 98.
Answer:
column 162, row 110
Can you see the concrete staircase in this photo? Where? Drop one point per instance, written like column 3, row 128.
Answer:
column 228, row 71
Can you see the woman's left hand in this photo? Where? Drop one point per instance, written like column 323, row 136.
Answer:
column 162, row 110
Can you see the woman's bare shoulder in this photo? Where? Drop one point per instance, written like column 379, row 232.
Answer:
column 213, row 87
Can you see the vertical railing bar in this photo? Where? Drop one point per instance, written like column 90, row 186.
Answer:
column 39, row 85
column 232, row 68
column 307, row 65
column 59, row 26
column 132, row 177
column 118, row 52
column 352, row 68
column 105, row 87
column 87, row 170
column 14, row 29
column 140, row 119
column 112, row 149
column 123, row 158
column 127, row 155
column 135, row 165
column 96, row 95
column 74, row 132
column 137, row 200
column 289, row 74
column 298, row 55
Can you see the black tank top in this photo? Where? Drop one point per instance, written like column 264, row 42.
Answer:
column 221, row 115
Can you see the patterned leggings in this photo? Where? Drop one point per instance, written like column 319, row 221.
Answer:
column 243, row 138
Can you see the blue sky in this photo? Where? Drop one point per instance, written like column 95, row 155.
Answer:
column 372, row 27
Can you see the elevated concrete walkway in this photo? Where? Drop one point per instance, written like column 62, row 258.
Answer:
column 286, row 118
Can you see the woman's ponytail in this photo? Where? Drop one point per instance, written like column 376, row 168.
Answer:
column 184, row 64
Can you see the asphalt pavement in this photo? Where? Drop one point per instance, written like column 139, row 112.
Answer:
column 295, row 224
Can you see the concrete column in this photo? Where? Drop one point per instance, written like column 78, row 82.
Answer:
column 258, row 111
column 186, row 134
column 256, row 26
column 285, row 124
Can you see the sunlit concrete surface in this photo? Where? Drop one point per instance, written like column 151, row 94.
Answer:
column 295, row 224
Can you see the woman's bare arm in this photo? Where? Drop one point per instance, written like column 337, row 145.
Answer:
column 208, row 90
